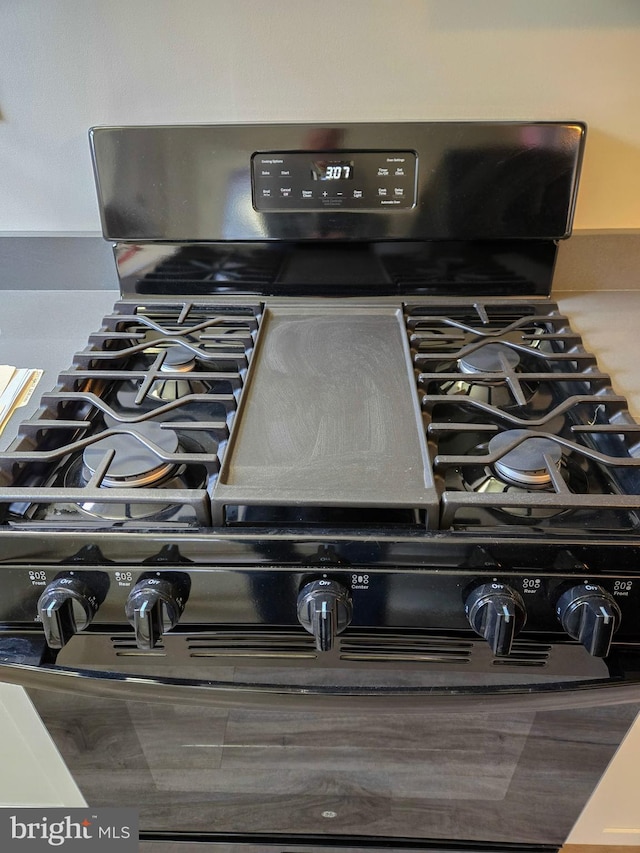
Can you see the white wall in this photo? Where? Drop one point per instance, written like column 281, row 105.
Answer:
column 68, row 64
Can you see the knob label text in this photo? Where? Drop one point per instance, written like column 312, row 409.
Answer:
column 530, row 585
column 622, row 588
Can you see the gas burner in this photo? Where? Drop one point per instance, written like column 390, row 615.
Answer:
column 178, row 359
column 134, row 466
column 491, row 358
column 528, row 463
column 521, row 470
column 503, row 389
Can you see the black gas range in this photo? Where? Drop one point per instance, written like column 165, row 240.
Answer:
column 334, row 420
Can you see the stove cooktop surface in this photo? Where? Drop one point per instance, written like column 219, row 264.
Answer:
column 426, row 415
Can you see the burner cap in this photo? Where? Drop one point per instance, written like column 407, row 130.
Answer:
column 488, row 359
column 177, row 359
column 133, row 464
column 525, row 464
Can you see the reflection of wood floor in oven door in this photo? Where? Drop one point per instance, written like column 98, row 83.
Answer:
column 463, row 777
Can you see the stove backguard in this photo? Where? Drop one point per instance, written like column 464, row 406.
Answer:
column 465, row 181
column 441, row 208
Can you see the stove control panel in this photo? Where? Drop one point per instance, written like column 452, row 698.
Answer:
column 506, row 605
column 326, row 180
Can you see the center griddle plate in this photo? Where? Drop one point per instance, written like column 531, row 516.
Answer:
column 330, row 415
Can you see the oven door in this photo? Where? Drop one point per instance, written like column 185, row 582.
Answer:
column 253, row 758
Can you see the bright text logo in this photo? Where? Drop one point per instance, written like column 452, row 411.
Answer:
column 103, row 830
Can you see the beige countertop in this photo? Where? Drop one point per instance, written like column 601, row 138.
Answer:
column 609, row 323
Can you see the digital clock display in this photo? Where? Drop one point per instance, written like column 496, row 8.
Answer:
column 333, row 179
column 332, row 170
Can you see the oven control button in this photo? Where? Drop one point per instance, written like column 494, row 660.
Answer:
column 589, row 614
column 154, row 606
column 497, row 613
column 66, row 606
column 325, row 610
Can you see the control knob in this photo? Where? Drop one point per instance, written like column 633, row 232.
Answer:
column 497, row 613
column 153, row 607
column 324, row 610
column 66, row 606
column 589, row 614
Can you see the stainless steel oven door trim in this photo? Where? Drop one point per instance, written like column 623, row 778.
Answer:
column 623, row 686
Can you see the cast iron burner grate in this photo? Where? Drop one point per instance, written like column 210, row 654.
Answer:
column 522, row 427
column 125, row 435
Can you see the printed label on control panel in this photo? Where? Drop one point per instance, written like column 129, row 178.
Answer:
column 531, row 585
column 622, row 588
column 359, row 581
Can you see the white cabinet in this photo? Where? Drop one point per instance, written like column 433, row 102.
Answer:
column 33, row 773
column 612, row 815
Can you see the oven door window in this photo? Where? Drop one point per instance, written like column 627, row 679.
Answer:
column 466, row 776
